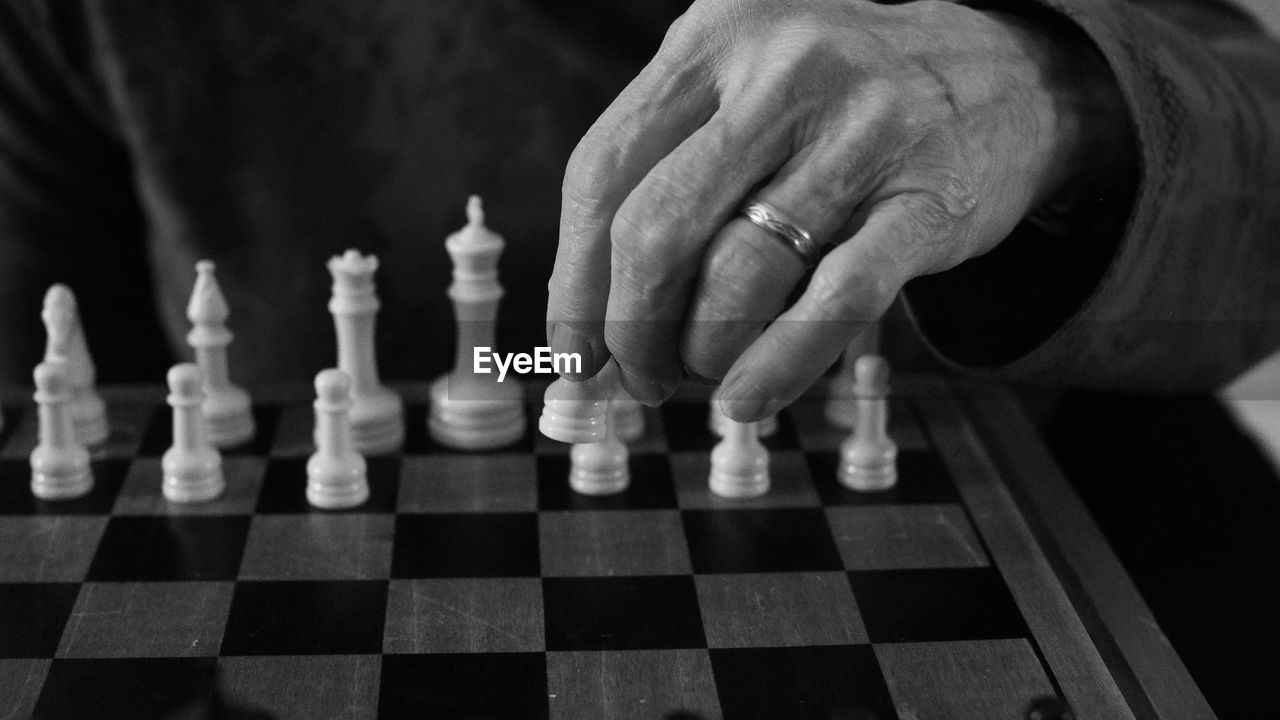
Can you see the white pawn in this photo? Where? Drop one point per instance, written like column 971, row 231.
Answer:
column 628, row 416
column 59, row 464
column 739, row 463
column 600, row 468
column 336, row 474
column 377, row 412
column 192, row 467
column 575, row 412
column 66, row 343
column 841, row 407
column 868, row 458
column 227, row 409
column 716, row 423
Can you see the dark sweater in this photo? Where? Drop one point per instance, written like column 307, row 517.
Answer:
column 139, row 136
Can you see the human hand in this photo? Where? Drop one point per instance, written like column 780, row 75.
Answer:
column 910, row 137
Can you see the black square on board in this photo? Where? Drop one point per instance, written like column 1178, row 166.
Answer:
column 687, row 430
column 151, row 548
column 936, row 605
column 33, row 616
column 798, row 683
column 764, row 540
column 922, row 478
column 16, row 497
column 159, row 433
column 306, row 617
column 129, row 689
column 652, row 486
column 622, row 613
column 505, row 686
column 284, row 486
column 466, row 545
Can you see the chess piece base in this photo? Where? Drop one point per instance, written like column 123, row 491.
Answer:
column 228, row 416
column 336, row 486
column 736, row 488
column 863, row 479
column 89, row 419
column 736, row 475
column 599, row 468
column 869, row 468
column 192, row 479
column 377, row 422
column 66, row 479
column 484, row 419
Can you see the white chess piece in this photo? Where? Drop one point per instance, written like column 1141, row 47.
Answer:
column 59, row 464
column 472, row 411
column 841, row 408
column 739, row 463
column 716, row 419
column 868, row 458
column 66, row 343
column 336, row 474
column 601, row 468
column 192, row 467
column 575, row 412
column 377, row 412
column 628, row 416
column 228, row 412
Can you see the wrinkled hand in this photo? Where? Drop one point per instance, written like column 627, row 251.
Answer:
column 909, row 138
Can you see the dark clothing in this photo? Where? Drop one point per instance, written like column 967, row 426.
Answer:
column 137, row 137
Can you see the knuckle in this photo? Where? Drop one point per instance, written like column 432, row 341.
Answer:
column 592, row 165
column 856, row 297
column 642, row 259
column 935, row 215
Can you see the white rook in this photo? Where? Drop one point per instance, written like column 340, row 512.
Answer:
column 228, row 412
column 471, row 411
column 377, row 413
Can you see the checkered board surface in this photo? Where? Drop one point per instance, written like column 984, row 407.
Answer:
column 479, row 586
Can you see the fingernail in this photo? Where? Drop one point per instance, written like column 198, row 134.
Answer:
column 646, row 391
column 566, row 339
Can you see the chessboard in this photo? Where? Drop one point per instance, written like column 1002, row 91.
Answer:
column 478, row 585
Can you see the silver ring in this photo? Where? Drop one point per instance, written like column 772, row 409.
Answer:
column 793, row 236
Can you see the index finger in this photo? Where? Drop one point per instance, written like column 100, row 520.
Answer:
column 668, row 101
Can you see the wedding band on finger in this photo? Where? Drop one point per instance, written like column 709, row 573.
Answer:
column 793, row 236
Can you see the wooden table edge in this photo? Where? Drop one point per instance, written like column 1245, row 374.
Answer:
column 1147, row 667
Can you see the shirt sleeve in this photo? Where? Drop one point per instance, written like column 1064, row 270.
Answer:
column 1170, row 282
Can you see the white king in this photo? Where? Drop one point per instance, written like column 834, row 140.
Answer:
column 471, row 411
